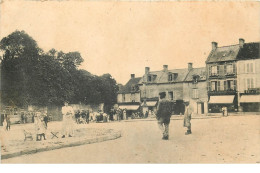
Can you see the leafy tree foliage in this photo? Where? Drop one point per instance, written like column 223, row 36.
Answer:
column 32, row 77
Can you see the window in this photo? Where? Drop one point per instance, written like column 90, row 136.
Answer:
column 214, row 70
column 230, row 69
column 175, row 75
column 149, row 78
column 133, row 87
column 195, row 79
column 249, row 67
column 170, row 94
column 249, row 83
column 221, row 88
column 133, row 97
column 231, row 85
column 170, row 77
column 195, row 93
column 214, row 86
column 123, row 97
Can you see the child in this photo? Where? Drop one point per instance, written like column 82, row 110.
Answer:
column 39, row 127
column 187, row 118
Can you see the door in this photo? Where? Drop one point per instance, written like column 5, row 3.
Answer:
column 202, row 108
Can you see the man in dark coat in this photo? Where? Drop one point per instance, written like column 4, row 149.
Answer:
column 163, row 115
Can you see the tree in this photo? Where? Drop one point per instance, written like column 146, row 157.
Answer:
column 20, row 54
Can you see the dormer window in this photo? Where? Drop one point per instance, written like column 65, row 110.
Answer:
column 195, row 79
column 149, row 78
column 175, row 75
column 169, row 77
column 133, row 87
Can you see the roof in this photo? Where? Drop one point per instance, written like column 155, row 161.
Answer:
column 235, row 52
column 249, row 51
column 201, row 72
column 184, row 75
column 226, row 53
column 162, row 76
column 127, row 88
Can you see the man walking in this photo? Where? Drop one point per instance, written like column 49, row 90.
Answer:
column 187, row 118
column 163, row 115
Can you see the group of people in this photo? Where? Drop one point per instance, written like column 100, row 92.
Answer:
column 82, row 117
column 164, row 112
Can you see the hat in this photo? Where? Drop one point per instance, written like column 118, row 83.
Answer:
column 162, row 94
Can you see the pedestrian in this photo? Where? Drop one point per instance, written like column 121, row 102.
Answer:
column 164, row 111
column 39, row 126
column 124, row 114
column 67, row 123
column 187, row 118
column 77, row 116
column 22, row 117
column 46, row 120
column 146, row 114
column 3, row 135
column 8, row 121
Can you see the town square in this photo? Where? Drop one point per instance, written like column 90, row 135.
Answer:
column 129, row 82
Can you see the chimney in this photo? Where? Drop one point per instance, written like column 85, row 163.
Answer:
column 132, row 76
column 165, row 68
column 241, row 42
column 147, row 70
column 214, row 45
column 190, row 66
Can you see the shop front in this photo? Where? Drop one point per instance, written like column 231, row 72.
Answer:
column 250, row 103
column 217, row 103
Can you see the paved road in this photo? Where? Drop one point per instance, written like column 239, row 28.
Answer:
column 217, row 140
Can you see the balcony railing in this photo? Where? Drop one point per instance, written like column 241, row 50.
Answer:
column 226, row 92
column 252, row 91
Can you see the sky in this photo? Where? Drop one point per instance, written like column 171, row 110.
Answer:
column 122, row 38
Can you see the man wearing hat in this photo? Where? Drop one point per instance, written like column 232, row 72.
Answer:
column 187, row 118
column 163, row 115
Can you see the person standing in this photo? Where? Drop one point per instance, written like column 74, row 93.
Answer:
column 46, row 120
column 8, row 120
column 163, row 115
column 187, row 118
column 124, row 114
column 67, row 123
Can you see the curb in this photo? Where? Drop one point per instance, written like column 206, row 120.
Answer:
column 112, row 136
column 172, row 118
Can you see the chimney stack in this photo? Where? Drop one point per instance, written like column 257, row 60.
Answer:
column 189, row 66
column 147, row 70
column 132, row 76
column 241, row 42
column 165, row 68
column 214, row 45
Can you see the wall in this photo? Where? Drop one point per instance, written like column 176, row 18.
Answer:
column 153, row 90
column 195, row 103
column 242, row 75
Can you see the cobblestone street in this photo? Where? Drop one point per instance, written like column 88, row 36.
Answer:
column 233, row 139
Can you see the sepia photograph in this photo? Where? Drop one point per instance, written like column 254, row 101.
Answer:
column 129, row 82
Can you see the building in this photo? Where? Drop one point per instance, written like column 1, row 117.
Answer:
column 128, row 96
column 224, row 79
column 175, row 83
column 248, row 77
column 195, row 90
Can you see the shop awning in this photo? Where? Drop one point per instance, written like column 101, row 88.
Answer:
column 129, row 107
column 150, row 103
column 227, row 99
column 250, row 99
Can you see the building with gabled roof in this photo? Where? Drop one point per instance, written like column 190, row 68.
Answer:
column 231, row 71
column 128, row 96
column 178, row 84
